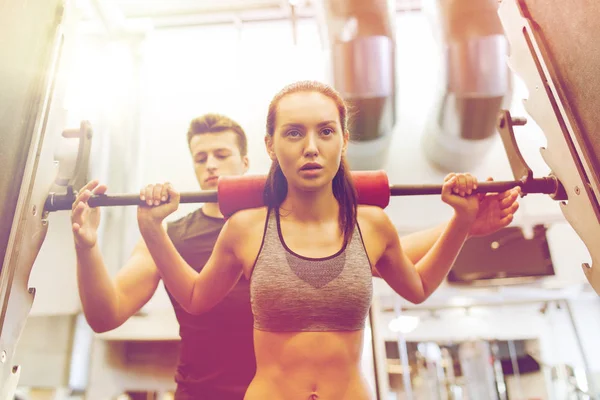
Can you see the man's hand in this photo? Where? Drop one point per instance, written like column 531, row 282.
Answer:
column 496, row 211
column 85, row 219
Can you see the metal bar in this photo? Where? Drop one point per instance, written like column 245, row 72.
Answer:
column 579, row 341
column 379, row 351
column 58, row 202
column 503, row 303
column 515, row 366
column 546, row 185
column 403, row 350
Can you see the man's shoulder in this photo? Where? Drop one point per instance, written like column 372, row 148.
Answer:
column 194, row 223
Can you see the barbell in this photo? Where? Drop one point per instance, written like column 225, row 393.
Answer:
column 235, row 193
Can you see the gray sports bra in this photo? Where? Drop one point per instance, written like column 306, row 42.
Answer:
column 292, row 293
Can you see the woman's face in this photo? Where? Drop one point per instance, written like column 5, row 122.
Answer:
column 308, row 141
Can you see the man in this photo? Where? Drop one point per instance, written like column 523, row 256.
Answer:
column 217, row 355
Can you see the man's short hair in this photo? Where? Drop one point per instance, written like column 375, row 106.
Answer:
column 214, row 123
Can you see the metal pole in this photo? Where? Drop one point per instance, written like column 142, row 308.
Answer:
column 403, row 355
column 586, row 365
column 515, row 366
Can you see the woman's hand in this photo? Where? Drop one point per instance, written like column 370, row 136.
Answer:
column 457, row 191
column 161, row 200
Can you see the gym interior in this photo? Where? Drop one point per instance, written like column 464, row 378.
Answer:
column 517, row 316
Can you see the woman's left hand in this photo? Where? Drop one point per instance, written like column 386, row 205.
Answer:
column 161, row 201
column 457, row 191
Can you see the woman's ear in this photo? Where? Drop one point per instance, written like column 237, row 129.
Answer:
column 269, row 147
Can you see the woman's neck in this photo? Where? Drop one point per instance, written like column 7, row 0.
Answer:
column 311, row 206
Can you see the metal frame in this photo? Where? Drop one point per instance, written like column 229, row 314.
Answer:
column 559, row 301
column 551, row 112
column 29, row 228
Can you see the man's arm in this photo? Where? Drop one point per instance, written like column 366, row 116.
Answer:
column 108, row 303
column 417, row 244
column 417, row 281
column 496, row 211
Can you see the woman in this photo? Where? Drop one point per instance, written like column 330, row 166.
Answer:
column 310, row 254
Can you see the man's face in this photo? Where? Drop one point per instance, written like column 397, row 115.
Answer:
column 216, row 154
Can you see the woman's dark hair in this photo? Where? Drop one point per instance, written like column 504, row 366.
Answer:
column 342, row 185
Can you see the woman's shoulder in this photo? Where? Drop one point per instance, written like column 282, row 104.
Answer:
column 244, row 234
column 248, row 218
column 371, row 214
column 373, row 218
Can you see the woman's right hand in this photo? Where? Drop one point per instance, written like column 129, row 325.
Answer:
column 160, row 200
column 85, row 219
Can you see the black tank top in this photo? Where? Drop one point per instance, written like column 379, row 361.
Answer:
column 217, row 351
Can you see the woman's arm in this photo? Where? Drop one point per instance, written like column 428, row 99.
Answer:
column 196, row 292
column 417, row 281
column 496, row 211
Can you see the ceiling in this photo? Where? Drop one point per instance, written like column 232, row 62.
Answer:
column 178, row 13
column 154, row 8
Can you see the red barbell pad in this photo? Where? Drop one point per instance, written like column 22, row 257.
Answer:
column 241, row 192
column 372, row 188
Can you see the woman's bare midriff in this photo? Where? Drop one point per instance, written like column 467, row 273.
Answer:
column 308, row 366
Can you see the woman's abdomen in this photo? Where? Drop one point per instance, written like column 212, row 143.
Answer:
column 308, row 365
